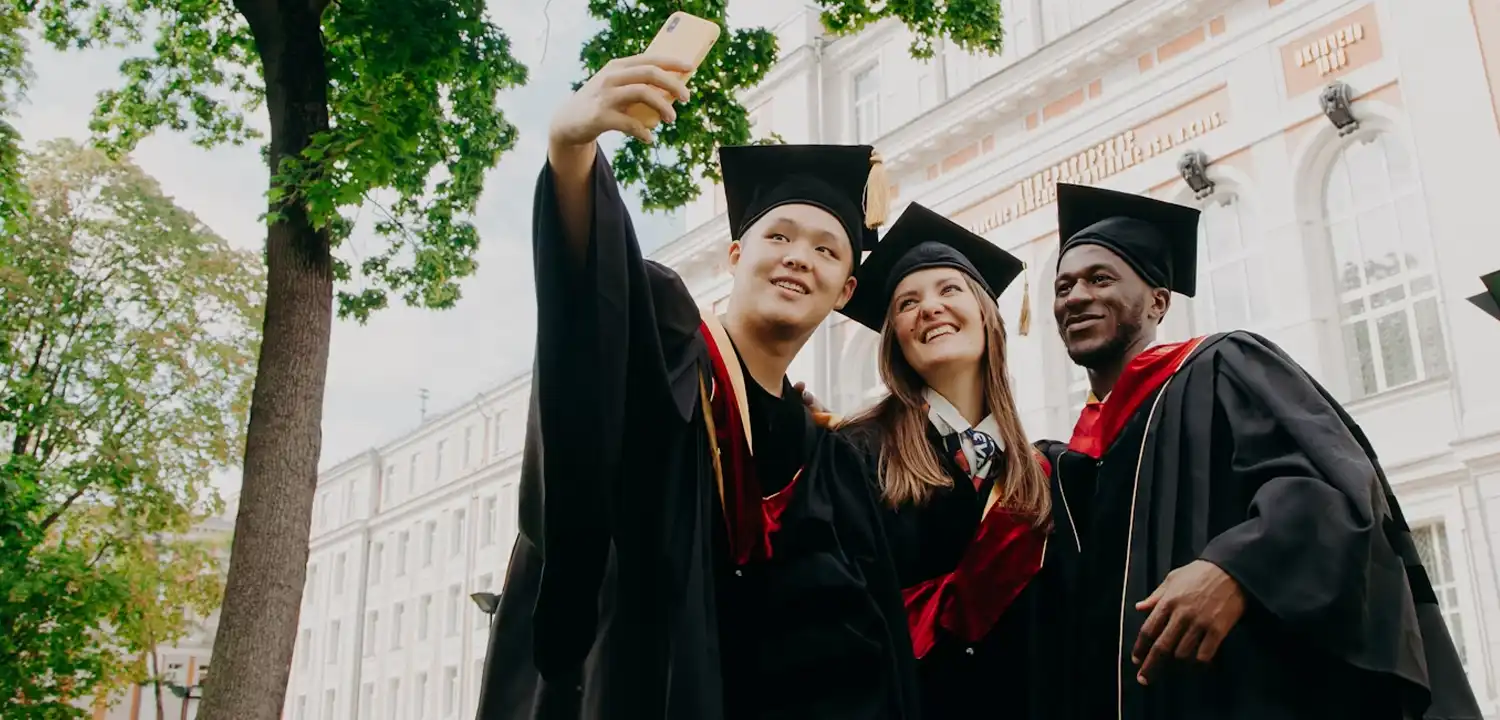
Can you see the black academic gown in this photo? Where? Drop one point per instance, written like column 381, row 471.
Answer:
column 1240, row 458
column 623, row 598
column 1010, row 670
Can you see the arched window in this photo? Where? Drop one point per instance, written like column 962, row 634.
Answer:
column 1234, row 282
column 1383, row 267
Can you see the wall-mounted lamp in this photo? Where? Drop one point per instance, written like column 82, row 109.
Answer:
column 1193, row 166
column 1336, row 103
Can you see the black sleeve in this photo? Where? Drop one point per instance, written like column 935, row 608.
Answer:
column 617, row 322
column 1314, row 549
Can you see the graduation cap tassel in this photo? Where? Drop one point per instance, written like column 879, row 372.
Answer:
column 1025, row 322
column 877, row 193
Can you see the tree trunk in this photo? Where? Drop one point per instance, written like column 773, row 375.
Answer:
column 268, row 561
column 161, row 708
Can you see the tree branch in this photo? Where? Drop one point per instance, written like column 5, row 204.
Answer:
column 55, row 514
column 106, row 545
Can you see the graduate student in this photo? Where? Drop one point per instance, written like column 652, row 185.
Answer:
column 970, row 499
column 693, row 546
column 1489, row 300
column 1243, row 556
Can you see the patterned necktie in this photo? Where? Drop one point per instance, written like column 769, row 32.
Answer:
column 984, row 450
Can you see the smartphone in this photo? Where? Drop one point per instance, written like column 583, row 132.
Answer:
column 686, row 38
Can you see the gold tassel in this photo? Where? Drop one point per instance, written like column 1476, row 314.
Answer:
column 877, row 193
column 1025, row 323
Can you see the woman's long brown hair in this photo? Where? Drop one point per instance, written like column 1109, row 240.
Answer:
column 909, row 466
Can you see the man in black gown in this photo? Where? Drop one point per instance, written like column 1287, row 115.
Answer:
column 1489, row 300
column 1242, row 555
column 692, row 545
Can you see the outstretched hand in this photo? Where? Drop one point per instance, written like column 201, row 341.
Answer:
column 601, row 104
column 1192, row 611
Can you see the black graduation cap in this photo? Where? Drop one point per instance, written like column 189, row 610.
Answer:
column 848, row 181
column 922, row 239
column 1159, row 239
column 1489, row 300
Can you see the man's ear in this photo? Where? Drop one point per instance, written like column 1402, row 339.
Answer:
column 1161, row 302
column 734, row 254
column 848, row 292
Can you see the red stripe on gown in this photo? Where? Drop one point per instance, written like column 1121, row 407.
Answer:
column 997, row 565
column 1101, row 422
column 750, row 519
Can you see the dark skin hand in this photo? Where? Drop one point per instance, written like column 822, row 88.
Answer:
column 1192, row 611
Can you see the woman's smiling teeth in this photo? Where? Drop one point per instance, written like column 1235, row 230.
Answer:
column 937, row 332
column 791, row 285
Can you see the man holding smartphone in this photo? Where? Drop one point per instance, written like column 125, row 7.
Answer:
column 693, row 545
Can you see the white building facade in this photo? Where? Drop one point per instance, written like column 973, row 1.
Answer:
column 1350, row 244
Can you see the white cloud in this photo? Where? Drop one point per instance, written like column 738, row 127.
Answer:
column 376, row 371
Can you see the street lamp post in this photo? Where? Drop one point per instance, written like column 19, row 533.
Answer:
column 488, row 603
column 187, row 694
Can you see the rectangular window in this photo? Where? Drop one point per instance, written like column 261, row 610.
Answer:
column 377, row 560
column 489, row 429
column 411, row 474
column 468, row 447
column 487, row 521
column 424, row 618
column 340, row 568
column 867, row 104
column 388, row 485
column 311, row 594
column 333, row 643
column 450, row 691
column 419, row 701
column 429, row 539
column 329, row 698
column 396, row 619
column 499, row 433
column 458, row 533
column 403, row 543
column 305, row 645
column 367, row 700
column 301, row 713
column 453, row 609
column 437, row 462
column 926, row 91
column 509, row 510
column 1432, row 547
column 372, row 631
column 476, row 682
column 393, row 700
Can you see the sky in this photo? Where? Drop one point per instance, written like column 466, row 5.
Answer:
column 377, row 371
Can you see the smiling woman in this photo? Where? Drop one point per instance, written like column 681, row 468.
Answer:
column 971, row 503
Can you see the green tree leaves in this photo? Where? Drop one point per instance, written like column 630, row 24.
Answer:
column 126, row 355
column 685, row 150
column 412, row 124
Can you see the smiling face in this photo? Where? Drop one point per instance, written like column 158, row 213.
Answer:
column 936, row 319
column 1103, row 307
column 792, row 268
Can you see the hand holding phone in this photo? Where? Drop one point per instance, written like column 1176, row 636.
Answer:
column 685, row 40
column 635, row 94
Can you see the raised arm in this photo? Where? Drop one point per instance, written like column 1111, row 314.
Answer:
column 598, row 107
column 604, row 315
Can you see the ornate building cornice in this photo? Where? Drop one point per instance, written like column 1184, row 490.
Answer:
column 1119, row 35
